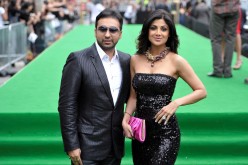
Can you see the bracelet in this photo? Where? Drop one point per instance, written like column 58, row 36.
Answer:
column 128, row 113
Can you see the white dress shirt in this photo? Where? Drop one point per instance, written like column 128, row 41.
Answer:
column 113, row 70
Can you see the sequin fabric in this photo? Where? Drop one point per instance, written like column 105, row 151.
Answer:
column 162, row 141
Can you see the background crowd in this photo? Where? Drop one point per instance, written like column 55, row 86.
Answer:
column 48, row 20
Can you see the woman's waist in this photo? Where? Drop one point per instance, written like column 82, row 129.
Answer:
column 152, row 125
column 151, row 106
column 149, row 115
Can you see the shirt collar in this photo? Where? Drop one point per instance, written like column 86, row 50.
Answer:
column 102, row 54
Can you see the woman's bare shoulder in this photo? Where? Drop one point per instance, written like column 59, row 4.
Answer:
column 136, row 57
column 175, row 58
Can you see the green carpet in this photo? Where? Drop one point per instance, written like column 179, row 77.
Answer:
column 214, row 131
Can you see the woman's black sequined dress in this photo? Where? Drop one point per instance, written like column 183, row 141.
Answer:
column 162, row 141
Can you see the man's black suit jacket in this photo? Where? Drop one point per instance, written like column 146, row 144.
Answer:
column 89, row 120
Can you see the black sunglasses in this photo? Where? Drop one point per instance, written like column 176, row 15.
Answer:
column 111, row 29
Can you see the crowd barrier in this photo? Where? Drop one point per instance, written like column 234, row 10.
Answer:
column 195, row 25
column 13, row 44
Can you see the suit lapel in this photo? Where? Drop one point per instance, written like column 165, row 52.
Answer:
column 95, row 59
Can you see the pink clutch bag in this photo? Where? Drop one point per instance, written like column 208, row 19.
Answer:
column 138, row 127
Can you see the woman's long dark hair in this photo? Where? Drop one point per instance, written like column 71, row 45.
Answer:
column 143, row 42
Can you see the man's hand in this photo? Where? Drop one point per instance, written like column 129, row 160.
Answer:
column 75, row 157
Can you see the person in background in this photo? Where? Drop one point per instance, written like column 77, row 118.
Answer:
column 130, row 12
column 224, row 18
column 3, row 13
column 238, row 42
column 95, row 9
column 155, row 69
column 246, row 80
column 201, row 12
column 162, row 4
column 94, row 87
column 14, row 10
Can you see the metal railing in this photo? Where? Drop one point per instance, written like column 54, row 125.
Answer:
column 13, row 44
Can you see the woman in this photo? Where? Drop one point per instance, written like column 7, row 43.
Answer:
column 238, row 42
column 155, row 69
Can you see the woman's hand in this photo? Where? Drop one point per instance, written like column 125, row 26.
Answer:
column 126, row 127
column 166, row 112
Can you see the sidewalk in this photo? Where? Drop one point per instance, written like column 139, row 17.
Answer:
column 12, row 69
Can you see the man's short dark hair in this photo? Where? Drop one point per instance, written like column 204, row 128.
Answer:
column 110, row 13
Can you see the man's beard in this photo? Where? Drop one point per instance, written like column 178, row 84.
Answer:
column 106, row 48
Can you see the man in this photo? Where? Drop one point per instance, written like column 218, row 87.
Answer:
column 94, row 87
column 224, row 18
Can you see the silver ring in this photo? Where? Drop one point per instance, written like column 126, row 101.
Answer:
column 164, row 117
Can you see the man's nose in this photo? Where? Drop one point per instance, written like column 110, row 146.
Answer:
column 107, row 34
